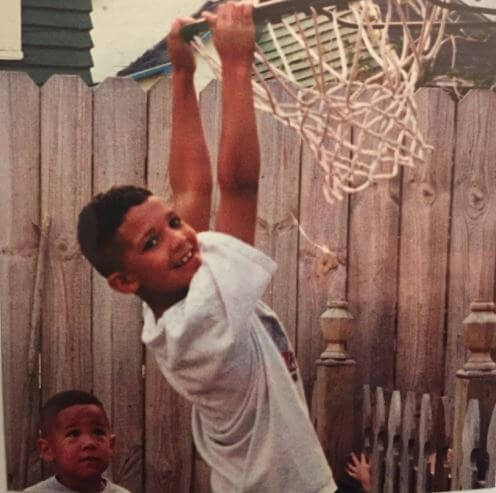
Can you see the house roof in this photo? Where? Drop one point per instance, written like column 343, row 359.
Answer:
column 55, row 39
column 473, row 58
column 156, row 59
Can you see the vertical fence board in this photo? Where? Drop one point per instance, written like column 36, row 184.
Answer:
column 408, row 444
column 424, row 251
column 372, row 278
column 379, row 447
column 392, row 452
column 19, row 211
column 168, row 441
column 320, row 277
column 491, row 450
column 120, row 116
column 66, row 150
column 276, row 232
column 210, row 108
column 473, row 237
column 424, row 461
column 470, row 442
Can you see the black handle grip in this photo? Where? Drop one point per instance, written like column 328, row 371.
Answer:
column 269, row 11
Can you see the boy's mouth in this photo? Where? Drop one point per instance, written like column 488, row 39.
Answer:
column 183, row 260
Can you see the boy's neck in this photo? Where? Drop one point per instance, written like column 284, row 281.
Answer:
column 160, row 303
column 95, row 485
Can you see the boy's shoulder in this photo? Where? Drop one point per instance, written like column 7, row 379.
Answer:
column 50, row 484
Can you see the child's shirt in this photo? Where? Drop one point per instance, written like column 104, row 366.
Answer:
column 227, row 353
column 52, row 484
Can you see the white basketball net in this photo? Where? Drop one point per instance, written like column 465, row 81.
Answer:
column 370, row 88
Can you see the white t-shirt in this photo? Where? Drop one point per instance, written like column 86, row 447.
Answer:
column 52, row 484
column 227, row 353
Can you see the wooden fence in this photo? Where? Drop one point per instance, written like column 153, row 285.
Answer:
column 410, row 255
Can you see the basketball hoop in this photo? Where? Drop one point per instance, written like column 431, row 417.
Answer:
column 370, row 88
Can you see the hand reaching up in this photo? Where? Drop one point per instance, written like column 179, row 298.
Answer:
column 180, row 53
column 234, row 32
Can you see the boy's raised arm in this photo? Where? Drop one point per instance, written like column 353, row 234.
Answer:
column 239, row 154
column 189, row 162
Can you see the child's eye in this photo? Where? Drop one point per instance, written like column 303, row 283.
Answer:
column 175, row 222
column 73, row 433
column 150, row 243
column 99, row 431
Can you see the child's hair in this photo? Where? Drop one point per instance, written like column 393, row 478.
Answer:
column 100, row 219
column 61, row 401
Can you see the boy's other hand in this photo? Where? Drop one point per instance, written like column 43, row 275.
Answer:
column 180, row 53
column 234, row 32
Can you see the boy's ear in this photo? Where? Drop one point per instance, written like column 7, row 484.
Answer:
column 122, row 283
column 112, row 442
column 46, row 452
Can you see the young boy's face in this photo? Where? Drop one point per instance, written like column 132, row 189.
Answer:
column 159, row 251
column 79, row 444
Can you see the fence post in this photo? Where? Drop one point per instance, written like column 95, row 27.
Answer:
column 476, row 380
column 335, row 386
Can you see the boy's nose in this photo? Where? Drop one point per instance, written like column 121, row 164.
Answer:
column 177, row 240
column 88, row 441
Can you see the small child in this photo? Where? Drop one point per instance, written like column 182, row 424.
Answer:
column 76, row 439
column 213, row 338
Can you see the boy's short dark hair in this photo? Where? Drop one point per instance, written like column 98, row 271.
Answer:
column 61, row 401
column 100, row 219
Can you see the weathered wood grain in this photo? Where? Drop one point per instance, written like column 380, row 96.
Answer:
column 408, row 440
column 119, row 133
column 278, row 199
column 491, row 450
column 393, row 439
column 66, row 160
column 19, row 212
column 321, row 277
column 373, row 277
column 379, row 447
column 470, row 442
column 425, row 217
column 168, row 441
column 424, row 459
column 473, row 229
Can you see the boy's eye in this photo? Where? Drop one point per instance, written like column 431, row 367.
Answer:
column 73, row 433
column 99, row 431
column 175, row 222
column 150, row 243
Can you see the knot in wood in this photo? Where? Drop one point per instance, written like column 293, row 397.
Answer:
column 428, row 193
column 476, row 200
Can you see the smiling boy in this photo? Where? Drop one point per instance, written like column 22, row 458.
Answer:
column 213, row 338
column 76, row 439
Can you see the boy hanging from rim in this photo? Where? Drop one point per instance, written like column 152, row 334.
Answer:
column 214, row 340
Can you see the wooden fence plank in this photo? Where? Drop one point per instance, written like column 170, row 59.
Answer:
column 168, row 441
column 278, row 199
column 320, row 277
column 473, row 232
column 120, row 117
column 372, row 278
column 442, row 443
column 19, row 211
column 66, row 152
column 424, row 460
column 425, row 220
column 393, row 439
column 210, row 108
column 408, row 441
column 379, row 447
column 470, row 442
column 491, row 450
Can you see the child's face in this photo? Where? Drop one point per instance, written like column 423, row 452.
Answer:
column 159, row 251
column 79, row 444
